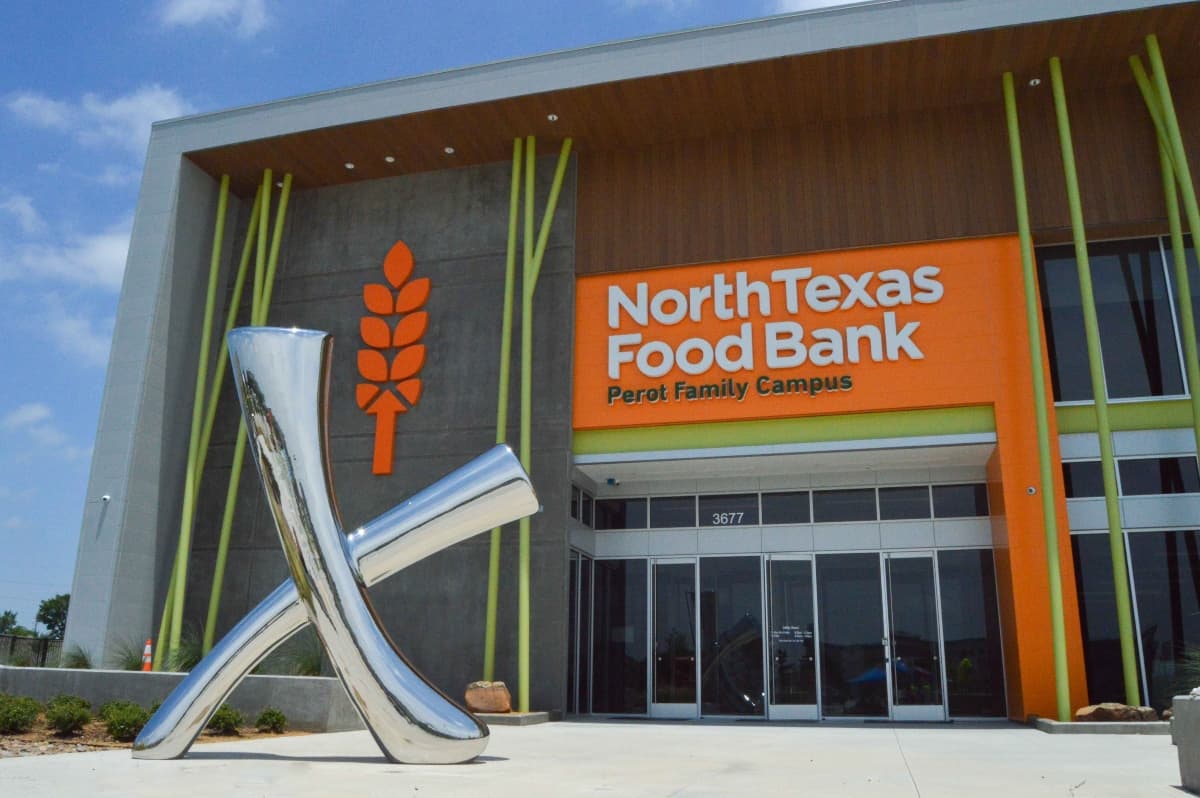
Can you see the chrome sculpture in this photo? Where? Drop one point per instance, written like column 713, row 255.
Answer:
column 282, row 377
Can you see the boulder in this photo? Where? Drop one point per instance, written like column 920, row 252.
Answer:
column 488, row 697
column 1112, row 712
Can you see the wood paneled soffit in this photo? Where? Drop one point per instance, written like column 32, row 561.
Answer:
column 892, row 79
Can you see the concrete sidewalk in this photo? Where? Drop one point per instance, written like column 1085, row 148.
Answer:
column 641, row 759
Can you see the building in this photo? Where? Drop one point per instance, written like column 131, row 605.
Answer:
column 784, row 417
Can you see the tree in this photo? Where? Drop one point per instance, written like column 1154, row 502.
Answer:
column 53, row 613
column 8, row 619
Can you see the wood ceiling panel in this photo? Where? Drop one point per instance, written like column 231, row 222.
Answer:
column 885, row 80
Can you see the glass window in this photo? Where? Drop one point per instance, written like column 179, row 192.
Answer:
column 574, row 502
column 785, row 508
column 586, row 508
column 971, row 633
column 960, row 501
column 619, row 635
column 1166, row 575
column 1154, row 475
column 620, row 513
column 734, row 509
column 1083, row 479
column 672, row 511
column 1098, row 617
column 791, row 635
column 899, row 503
column 1137, row 332
column 844, row 505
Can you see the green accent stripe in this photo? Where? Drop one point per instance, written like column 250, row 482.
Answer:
column 1126, row 416
column 807, row 429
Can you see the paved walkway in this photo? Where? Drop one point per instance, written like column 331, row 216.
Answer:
column 625, row 760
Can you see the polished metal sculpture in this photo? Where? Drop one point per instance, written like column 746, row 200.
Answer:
column 282, row 378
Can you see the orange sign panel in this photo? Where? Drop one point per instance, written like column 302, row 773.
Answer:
column 872, row 329
column 393, row 357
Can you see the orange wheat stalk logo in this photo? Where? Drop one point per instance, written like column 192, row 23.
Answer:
column 389, row 367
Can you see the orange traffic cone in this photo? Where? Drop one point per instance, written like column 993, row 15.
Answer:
column 147, row 658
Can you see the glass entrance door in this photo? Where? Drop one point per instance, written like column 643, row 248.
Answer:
column 792, row 638
column 674, row 639
column 853, row 643
column 731, row 636
column 917, row 675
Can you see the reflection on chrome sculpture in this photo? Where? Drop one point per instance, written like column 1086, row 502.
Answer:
column 282, row 377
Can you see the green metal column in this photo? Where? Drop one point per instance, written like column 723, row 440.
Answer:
column 1175, row 168
column 258, row 317
column 532, row 265
column 510, row 262
column 189, row 485
column 1091, row 326
column 1062, row 686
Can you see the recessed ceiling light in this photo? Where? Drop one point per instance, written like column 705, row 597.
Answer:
column 1035, row 82
column 448, row 150
column 552, row 117
column 390, row 158
column 349, row 165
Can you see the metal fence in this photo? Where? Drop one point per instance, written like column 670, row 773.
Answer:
column 35, row 652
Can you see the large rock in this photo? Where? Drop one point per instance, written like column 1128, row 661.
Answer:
column 1112, row 712
column 488, row 697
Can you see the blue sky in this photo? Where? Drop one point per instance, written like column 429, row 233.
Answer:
column 80, row 85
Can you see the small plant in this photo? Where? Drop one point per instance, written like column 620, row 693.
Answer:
column 271, row 720
column 123, row 719
column 17, row 713
column 226, row 720
column 77, row 657
column 68, row 714
column 189, row 653
column 127, row 656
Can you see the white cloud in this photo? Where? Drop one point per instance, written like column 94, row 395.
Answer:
column 248, row 17
column 74, row 333
column 14, row 522
column 95, row 259
column 20, row 207
column 116, row 175
column 40, row 110
column 35, row 419
column 122, row 121
column 26, row 415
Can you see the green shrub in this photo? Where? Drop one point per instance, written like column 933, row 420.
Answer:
column 271, row 720
column 67, row 714
column 226, row 720
column 123, row 719
column 127, row 656
column 17, row 713
column 77, row 657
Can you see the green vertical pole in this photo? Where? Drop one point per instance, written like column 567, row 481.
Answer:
column 532, row 268
column 528, row 285
column 235, row 304
column 258, row 317
column 1183, row 288
column 1116, row 536
column 189, row 494
column 210, row 415
column 510, row 264
column 1174, row 154
column 1062, row 685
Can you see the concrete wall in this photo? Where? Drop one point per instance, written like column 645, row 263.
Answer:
column 455, row 222
column 311, row 703
column 141, row 444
